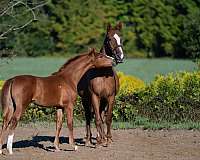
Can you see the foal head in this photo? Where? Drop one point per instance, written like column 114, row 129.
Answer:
column 100, row 60
column 113, row 43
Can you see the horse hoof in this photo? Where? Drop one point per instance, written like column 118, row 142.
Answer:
column 109, row 140
column 88, row 143
column 57, row 150
column 104, row 143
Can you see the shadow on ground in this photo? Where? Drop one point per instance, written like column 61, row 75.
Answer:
column 36, row 140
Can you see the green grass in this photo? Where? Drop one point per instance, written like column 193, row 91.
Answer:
column 148, row 125
column 145, row 69
column 144, row 123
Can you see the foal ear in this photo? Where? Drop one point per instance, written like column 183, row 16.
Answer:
column 109, row 27
column 119, row 26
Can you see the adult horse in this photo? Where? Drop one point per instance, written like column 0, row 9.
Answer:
column 102, row 86
column 58, row 90
column 98, row 88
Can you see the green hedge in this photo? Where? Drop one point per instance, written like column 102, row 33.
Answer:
column 172, row 98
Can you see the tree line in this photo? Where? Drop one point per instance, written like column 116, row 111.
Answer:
column 152, row 28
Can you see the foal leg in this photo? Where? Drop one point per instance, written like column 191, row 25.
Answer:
column 59, row 121
column 69, row 112
column 7, row 115
column 13, row 124
column 111, row 100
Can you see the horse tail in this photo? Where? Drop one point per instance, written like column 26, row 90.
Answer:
column 7, row 102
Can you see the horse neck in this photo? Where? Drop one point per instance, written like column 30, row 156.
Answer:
column 75, row 70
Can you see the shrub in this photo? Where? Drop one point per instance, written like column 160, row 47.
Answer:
column 129, row 84
column 174, row 97
column 123, row 110
column 1, row 84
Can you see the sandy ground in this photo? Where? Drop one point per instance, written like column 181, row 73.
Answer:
column 133, row 144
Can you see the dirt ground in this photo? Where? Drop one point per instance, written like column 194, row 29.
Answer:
column 133, row 144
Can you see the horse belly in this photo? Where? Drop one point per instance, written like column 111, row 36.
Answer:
column 49, row 96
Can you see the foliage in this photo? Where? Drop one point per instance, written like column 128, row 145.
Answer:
column 173, row 98
column 191, row 35
column 1, row 84
column 151, row 27
column 129, row 84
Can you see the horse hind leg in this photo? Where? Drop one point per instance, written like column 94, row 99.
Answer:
column 13, row 124
column 88, row 115
column 111, row 100
column 7, row 115
column 98, row 120
column 103, row 108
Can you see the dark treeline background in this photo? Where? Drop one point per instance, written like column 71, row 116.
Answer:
column 152, row 28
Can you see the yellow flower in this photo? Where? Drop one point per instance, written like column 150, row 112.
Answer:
column 129, row 84
column 1, row 84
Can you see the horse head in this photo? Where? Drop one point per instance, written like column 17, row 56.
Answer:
column 113, row 43
column 100, row 60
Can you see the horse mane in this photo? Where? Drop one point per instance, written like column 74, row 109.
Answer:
column 68, row 62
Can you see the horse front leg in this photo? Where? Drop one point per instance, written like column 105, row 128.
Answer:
column 59, row 121
column 69, row 113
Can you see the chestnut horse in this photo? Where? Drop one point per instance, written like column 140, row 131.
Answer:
column 98, row 88
column 98, row 95
column 58, row 90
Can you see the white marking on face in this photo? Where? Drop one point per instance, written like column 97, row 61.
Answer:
column 118, row 42
column 10, row 143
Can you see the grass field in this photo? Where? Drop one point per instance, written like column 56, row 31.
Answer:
column 145, row 69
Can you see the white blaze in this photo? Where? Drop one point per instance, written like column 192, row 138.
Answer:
column 10, row 143
column 118, row 42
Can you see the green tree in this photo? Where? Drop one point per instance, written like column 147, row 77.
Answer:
column 191, row 35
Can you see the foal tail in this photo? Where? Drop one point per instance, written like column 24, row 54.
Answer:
column 7, row 102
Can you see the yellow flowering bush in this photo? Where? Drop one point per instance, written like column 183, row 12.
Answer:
column 1, row 84
column 129, row 84
column 173, row 97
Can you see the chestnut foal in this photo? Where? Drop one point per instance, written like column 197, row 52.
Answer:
column 58, row 90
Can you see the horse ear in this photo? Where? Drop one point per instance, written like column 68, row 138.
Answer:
column 119, row 26
column 109, row 27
